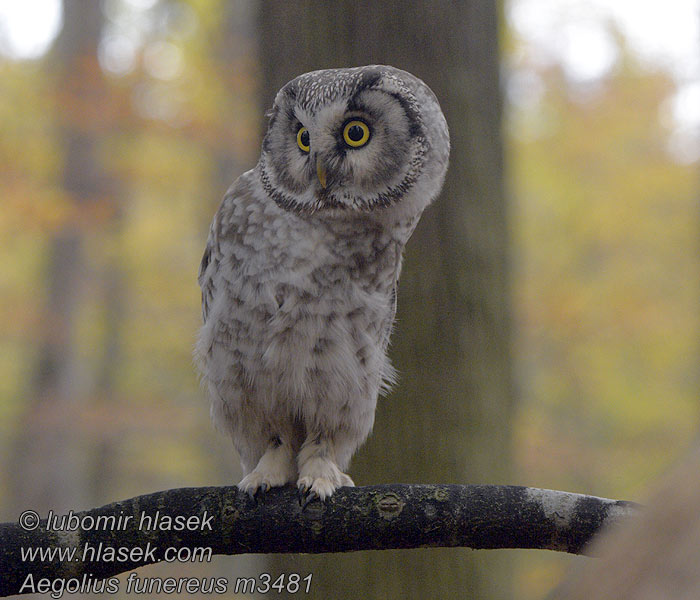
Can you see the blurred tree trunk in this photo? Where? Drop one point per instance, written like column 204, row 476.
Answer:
column 449, row 419
column 105, row 437
column 50, row 461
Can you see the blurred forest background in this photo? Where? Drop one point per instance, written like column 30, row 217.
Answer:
column 556, row 345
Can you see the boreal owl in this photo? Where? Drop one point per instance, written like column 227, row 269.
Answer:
column 300, row 271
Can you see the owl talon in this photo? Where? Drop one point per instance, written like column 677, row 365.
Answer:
column 302, row 489
column 318, row 473
column 274, row 469
column 310, row 497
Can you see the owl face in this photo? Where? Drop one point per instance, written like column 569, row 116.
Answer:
column 353, row 140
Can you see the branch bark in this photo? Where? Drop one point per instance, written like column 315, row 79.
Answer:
column 141, row 530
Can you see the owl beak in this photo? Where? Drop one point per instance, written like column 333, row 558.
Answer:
column 321, row 173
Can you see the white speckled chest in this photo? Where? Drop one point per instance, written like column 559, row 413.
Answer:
column 302, row 309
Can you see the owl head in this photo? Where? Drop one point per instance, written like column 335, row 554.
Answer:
column 356, row 139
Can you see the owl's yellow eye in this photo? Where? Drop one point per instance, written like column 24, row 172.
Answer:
column 356, row 133
column 304, row 139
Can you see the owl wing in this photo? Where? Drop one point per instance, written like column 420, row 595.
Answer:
column 208, row 266
column 224, row 226
column 205, row 282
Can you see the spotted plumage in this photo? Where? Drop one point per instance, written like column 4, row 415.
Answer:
column 300, row 271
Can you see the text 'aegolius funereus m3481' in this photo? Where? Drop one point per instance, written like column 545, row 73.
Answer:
column 300, row 271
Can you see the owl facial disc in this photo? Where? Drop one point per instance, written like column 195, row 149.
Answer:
column 355, row 139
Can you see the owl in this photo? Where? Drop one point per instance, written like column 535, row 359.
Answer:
column 300, row 271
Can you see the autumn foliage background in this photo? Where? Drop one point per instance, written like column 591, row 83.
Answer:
column 604, row 223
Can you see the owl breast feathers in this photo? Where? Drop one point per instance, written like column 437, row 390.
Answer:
column 300, row 271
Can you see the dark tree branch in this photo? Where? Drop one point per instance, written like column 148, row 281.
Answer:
column 363, row 518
